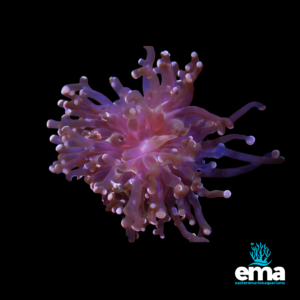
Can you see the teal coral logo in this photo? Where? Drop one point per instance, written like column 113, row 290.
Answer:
column 260, row 254
column 259, row 272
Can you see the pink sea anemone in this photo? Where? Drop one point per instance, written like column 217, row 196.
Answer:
column 145, row 153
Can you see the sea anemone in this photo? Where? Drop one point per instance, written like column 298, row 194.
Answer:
column 145, row 153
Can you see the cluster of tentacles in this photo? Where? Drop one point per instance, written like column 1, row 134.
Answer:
column 145, row 153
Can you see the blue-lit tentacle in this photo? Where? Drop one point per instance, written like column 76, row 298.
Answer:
column 245, row 108
column 231, row 172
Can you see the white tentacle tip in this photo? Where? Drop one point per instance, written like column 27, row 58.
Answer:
column 110, row 196
column 199, row 64
column 132, row 111
column 192, row 222
column 133, row 75
column 66, row 171
column 188, row 78
column 275, row 153
column 58, row 147
column 250, row 140
column 227, row 194
column 160, row 214
column 174, row 211
column 213, row 164
column 160, row 160
column 60, row 103
column 65, row 90
column 206, row 231
column 165, row 53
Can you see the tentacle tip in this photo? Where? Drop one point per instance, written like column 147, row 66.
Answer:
column 199, row 64
column 152, row 205
column 182, row 212
column 165, row 53
column 262, row 107
column 150, row 192
column 250, row 140
column 227, row 194
column 65, row 90
column 160, row 160
column 133, row 74
column 160, row 214
column 132, row 111
column 65, row 171
column 58, row 147
column 65, row 128
column 275, row 153
column 188, row 78
column 60, row 103
column 206, row 231
column 192, row 222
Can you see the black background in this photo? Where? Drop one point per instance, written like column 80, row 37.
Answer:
column 242, row 63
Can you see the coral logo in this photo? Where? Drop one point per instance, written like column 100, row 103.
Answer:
column 260, row 255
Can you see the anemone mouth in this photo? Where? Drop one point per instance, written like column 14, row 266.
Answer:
column 145, row 153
